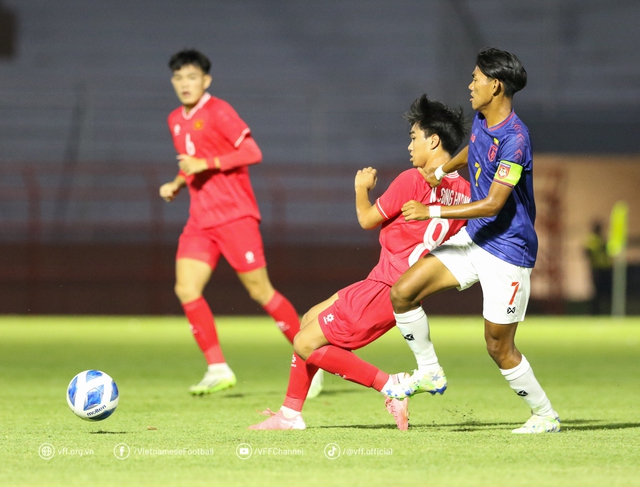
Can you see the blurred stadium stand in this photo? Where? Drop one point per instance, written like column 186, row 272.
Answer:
column 85, row 95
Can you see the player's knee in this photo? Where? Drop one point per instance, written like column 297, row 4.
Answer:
column 500, row 352
column 400, row 298
column 186, row 293
column 302, row 346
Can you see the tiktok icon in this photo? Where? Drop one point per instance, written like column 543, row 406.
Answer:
column 332, row 451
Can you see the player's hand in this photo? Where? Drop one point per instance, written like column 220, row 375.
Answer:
column 366, row 178
column 169, row 191
column 192, row 165
column 414, row 210
column 429, row 175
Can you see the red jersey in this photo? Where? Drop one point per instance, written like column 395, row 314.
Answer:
column 402, row 242
column 211, row 129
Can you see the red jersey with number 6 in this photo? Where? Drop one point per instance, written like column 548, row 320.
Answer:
column 213, row 128
column 404, row 242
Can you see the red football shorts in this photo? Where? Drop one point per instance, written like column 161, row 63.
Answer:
column 238, row 241
column 361, row 314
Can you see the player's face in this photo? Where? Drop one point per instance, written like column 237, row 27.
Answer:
column 482, row 90
column 190, row 84
column 420, row 147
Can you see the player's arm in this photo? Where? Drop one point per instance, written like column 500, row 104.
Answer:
column 497, row 196
column 170, row 190
column 246, row 154
column 435, row 175
column 368, row 214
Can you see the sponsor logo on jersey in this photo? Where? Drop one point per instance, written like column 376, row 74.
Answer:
column 198, row 124
column 473, row 137
column 329, row 318
column 176, row 129
column 503, row 170
column 250, row 257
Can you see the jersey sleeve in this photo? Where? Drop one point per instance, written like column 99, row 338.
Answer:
column 229, row 124
column 515, row 148
column 402, row 189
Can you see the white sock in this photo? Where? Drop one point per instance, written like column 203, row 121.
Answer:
column 288, row 412
column 525, row 384
column 414, row 327
column 220, row 368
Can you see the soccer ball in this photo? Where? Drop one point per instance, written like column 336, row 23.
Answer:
column 92, row 395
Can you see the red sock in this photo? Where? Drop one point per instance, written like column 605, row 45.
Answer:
column 286, row 316
column 299, row 382
column 349, row 366
column 203, row 327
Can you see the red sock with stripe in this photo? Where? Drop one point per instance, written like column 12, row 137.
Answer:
column 300, row 378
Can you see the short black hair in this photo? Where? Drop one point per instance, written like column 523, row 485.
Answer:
column 435, row 118
column 503, row 66
column 190, row 57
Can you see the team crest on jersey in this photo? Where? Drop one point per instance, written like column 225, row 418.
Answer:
column 176, row 129
column 473, row 137
column 198, row 124
column 503, row 170
column 493, row 150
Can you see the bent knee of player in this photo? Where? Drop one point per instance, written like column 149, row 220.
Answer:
column 401, row 297
column 187, row 292
column 503, row 352
column 302, row 346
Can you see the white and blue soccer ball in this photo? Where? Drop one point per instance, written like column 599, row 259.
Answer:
column 92, row 395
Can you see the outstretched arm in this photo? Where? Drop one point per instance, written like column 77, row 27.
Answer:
column 487, row 207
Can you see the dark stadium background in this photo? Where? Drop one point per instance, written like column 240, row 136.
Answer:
column 84, row 95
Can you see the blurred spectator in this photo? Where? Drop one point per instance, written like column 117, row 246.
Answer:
column 600, row 261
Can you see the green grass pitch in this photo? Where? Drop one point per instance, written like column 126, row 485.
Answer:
column 589, row 367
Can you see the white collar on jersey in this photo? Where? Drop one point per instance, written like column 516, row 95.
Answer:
column 204, row 99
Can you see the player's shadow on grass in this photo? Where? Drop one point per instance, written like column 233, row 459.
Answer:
column 596, row 424
column 360, row 426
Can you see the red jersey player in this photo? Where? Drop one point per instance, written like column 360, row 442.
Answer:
column 359, row 314
column 215, row 148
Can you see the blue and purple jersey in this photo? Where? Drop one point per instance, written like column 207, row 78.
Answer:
column 502, row 154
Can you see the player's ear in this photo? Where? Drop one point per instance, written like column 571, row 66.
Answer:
column 497, row 87
column 434, row 141
column 207, row 81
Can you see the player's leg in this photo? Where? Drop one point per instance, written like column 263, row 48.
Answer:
column 362, row 314
column 241, row 244
column 259, row 287
column 196, row 258
column 506, row 291
column 429, row 275
column 311, row 343
column 300, row 378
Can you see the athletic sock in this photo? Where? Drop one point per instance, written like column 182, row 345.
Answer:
column 300, row 377
column 522, row 380
column 203, row 328
column 220, row 368
column 349, row 366
column 414, row 326
column 289, row 413
column 284, row 314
